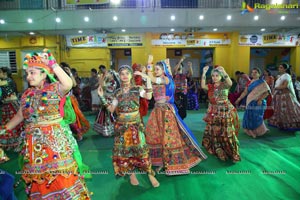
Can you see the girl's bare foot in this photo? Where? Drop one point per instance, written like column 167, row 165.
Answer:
column 158, row 169
column 133, row 180
column 3, row 157
column 153, row 181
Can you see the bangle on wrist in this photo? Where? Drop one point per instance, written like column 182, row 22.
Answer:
column 149, row 67
column 103, row 101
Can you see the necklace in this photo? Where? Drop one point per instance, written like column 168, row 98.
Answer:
column 125, row 87
column 216, row 85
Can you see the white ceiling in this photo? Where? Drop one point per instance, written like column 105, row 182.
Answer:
column 147, row 20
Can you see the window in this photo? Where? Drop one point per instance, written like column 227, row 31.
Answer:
column 179, row 4
column 8, row 59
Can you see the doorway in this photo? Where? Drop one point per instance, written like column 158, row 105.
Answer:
column 269, row 58
column 120, row 57
column 200, row 57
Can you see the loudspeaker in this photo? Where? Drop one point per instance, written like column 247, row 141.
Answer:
column 127, row 52
column 178, row 52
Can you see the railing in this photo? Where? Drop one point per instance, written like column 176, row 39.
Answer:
column 67, row 4
column 71, row 5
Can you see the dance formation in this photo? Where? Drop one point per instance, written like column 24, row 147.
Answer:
column 41, row 128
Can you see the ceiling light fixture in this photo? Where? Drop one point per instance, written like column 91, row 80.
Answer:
column 86, row 19
column 58, row 20
column 229, row 17
column 31, row 33
column 173, row 17
column 256, row 17
column 276, row 1
column 80, row 31
column 2, row 21
column 115, row 18
column 116, row 2
column 215, row 29
column 123, row 30
column 201, row 17
column 282, row 18
column 29, row 20
column 172, row 29
column 263, row 29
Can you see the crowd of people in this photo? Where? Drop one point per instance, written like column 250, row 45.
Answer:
column 42, row 125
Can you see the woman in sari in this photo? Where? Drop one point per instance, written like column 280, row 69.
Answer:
column 173, row 146
column 256, row 91
column 286, row 107
column 220, row 134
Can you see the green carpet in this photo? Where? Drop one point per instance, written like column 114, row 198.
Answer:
column 270, row 169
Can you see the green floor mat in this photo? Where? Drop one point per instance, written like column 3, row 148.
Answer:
column 270, row 169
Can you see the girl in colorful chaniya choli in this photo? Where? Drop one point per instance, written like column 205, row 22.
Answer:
column 9, row 108
column 220, row 134
column 104, row 123
column 172, row 145
column 285, row 103
column 52, row 164
column 130, row 152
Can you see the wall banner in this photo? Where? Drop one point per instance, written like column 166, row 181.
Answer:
column 270, row 39
column 208, row 42
column 125, row 40
column 191, row 42
column 97, row 40
column 167, row 42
